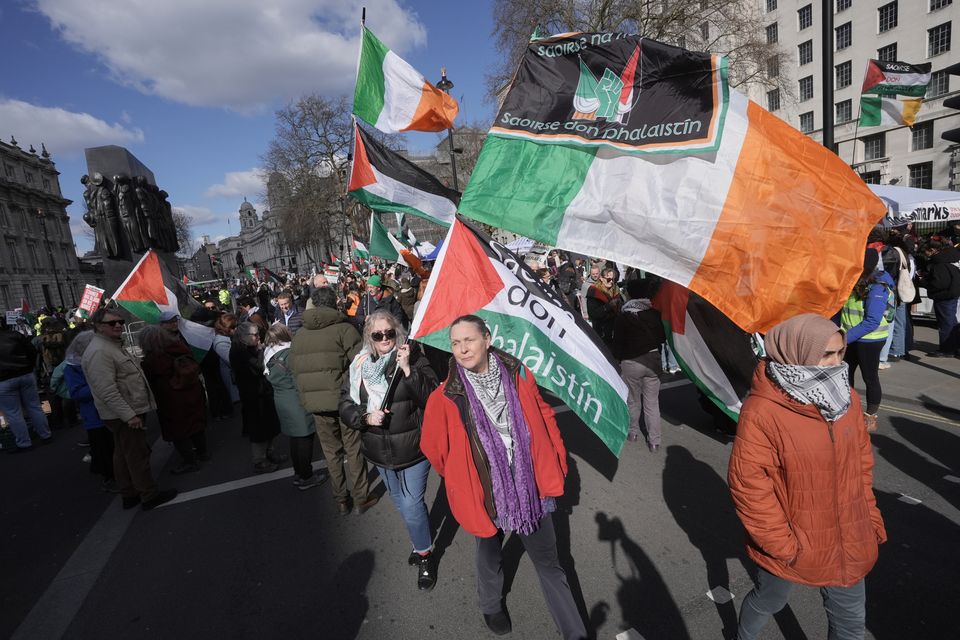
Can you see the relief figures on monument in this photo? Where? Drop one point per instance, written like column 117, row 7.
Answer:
column 128, row 215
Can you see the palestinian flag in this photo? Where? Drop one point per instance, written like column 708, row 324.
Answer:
column 360, row 250
column 889, row 78
column 668, row 170
column 384, row 245
column 532, row 322
column 393, row 97
column 386, row 181
column 251, row 274
column 713, row 352
column 876, row 111
column 332, row 274
column 146, row 295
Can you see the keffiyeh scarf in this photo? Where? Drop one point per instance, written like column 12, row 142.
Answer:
column 827, row 388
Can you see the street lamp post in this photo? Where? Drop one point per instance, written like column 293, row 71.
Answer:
column 53, row 265
column 445, row 85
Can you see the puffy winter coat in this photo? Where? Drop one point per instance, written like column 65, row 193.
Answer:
column 943, row 276
column 397, row 444
column 449, row 440
column 803, row 488
column 320, row 355
column 294, row 419
column 18, row 357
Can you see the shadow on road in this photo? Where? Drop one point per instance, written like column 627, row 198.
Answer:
column 950, row 413
column 915, row 465
column 345, row 601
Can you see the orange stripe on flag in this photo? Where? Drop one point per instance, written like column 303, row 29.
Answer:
column 435, row 112
column 790, row 238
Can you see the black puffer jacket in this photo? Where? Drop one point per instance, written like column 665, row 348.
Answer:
column 17, row 355
column 396, row 445
column 943, row 277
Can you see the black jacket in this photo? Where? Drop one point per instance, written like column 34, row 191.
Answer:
column 395, row 445
column 637, row 333
column 17, row 355
column 943, row 277
column 369, row 304
column 260, row 420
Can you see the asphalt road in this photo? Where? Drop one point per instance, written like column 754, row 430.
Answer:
column 643, row 539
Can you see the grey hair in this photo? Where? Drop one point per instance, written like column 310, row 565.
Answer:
column 154, row 338
column 382, row 314
column 244, row 328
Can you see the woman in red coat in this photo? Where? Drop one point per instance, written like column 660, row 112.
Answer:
column 801, row 479
column 489, row 433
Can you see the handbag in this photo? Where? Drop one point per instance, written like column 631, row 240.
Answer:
column 905, row 288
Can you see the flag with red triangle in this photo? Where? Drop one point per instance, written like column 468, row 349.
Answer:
column 528, row 320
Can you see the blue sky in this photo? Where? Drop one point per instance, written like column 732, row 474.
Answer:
column 191, row 86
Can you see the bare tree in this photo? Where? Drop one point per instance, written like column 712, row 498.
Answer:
column 184, row 226
column 734, row 28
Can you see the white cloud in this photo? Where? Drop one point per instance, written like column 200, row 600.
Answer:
column 200, row 216
column 238, row 184
column 240, row 54
column 66, row 133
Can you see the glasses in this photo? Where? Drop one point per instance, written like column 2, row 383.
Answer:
column 380, row 336
column 114, row 323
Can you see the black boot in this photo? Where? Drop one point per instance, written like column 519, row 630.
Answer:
column 426, row 572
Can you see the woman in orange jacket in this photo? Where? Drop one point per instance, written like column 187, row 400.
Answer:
column 801, row 479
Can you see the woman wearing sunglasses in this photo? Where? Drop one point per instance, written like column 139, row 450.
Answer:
column 383, row 398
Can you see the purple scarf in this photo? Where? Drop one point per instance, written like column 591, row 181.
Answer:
column 515, row 493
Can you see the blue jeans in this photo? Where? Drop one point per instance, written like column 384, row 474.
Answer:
column 846, row 607
column 898, row 343
column 946, row 312
column 407, row 488
column 18, row 396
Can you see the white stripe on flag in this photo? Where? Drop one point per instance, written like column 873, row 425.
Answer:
column 691, row 348
column 402, row 91
column 437, row 207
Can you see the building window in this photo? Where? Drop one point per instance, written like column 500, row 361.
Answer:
column 14, row 254
column 772, row 35
column 28, row 176
column 871, row 177
column 10, row 171
column 844, row 74
column 939, row 84
column 887, row 53
column 938, row 39
column 843, row 5
column 4, row 221
column 844, row 36
column 921, row 175
column 805, row 52
column 705, row 31
column 5, row 295
column 806, row 88
column 921, row 136
column 773, row 100
column 771, row 5
column 887, row 16
column 874, row 147
column 46, row 184
column 805, row 17
column 939, row 4
column 806, row 122
column 773, row 67
column 844, row 111
column 34, row 256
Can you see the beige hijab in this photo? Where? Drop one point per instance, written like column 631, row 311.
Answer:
column 801, row 340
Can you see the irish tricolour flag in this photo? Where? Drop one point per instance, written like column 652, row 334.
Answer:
column 876, row 111
column 145, row 295
column 393, row 96
column 683, row 177
column 475, row 275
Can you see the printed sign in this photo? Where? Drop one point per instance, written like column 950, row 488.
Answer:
column 90, row 301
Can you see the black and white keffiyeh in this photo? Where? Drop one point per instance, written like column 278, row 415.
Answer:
column 827, row 388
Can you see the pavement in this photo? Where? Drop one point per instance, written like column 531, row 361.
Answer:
column 643, row 538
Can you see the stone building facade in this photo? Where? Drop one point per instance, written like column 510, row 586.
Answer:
column 38, row 261
column 259, row 241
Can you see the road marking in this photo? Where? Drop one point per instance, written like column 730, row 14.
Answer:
column 232, row 485
column 669, row 385
column 629, row 634
column 720, row 595
column 951, row 479
column 908, row 499
column 920, row 414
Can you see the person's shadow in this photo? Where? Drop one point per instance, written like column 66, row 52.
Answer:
column 914, row 464
column 442, row 522
column 699, row 500
column 345, row 603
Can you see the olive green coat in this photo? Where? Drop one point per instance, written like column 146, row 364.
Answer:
column 320, row 356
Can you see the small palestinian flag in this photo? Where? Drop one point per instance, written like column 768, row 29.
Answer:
column 360, row 250
column 386, row 181
column 889, row 78
column 713, row 352
column 393, row 96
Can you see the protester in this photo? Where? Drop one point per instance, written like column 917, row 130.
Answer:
column 252, row 313
column 295, row 422
column 260, row 421
column 123, row 398
column 603, row 304
column 865, row 319
column 19, row 395
column 943, row 288
column 495, row 441
column 99, row 437
column 407, row 296
column 801, row 479
column 320, row 356
column 289, row 315
column 224, row 329
column 389, row 416
column 174, row 378
column 637, row 336
column 377, row 298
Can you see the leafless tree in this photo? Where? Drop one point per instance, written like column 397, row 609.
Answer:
column 735, row 28
column 184, row 226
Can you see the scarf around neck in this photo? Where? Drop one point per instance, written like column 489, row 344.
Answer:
column 373, row 373
column 515, row 495
column 827, row 388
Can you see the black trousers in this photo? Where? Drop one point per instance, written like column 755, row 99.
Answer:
column 541, row 546
column 101, row 452
column 301, row 455
column 190, row 448
column 866, row 357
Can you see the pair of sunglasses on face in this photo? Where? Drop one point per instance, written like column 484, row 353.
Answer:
column 380, row 336
column 114, row 323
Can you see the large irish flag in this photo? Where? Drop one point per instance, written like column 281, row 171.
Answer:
column 639, row 152
column 393, row 96
column 475, row 275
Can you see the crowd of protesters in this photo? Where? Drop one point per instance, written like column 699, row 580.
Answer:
column 329, row 357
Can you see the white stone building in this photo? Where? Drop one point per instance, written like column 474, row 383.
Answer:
column 913, row 31
column 260, row 241
column 38, row 260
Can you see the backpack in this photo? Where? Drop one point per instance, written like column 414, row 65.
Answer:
column 905, row 287
column 58, row 382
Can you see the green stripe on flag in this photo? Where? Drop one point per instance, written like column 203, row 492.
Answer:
column 377, row 203
column 546, row 177
column 870, row 111
column 371, row 84
column 146, row 310
column 380, row 244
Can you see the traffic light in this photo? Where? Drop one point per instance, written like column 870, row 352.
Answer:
column 952, row 135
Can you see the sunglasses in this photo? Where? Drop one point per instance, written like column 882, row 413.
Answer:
column 114, row 323
column 380, row 336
